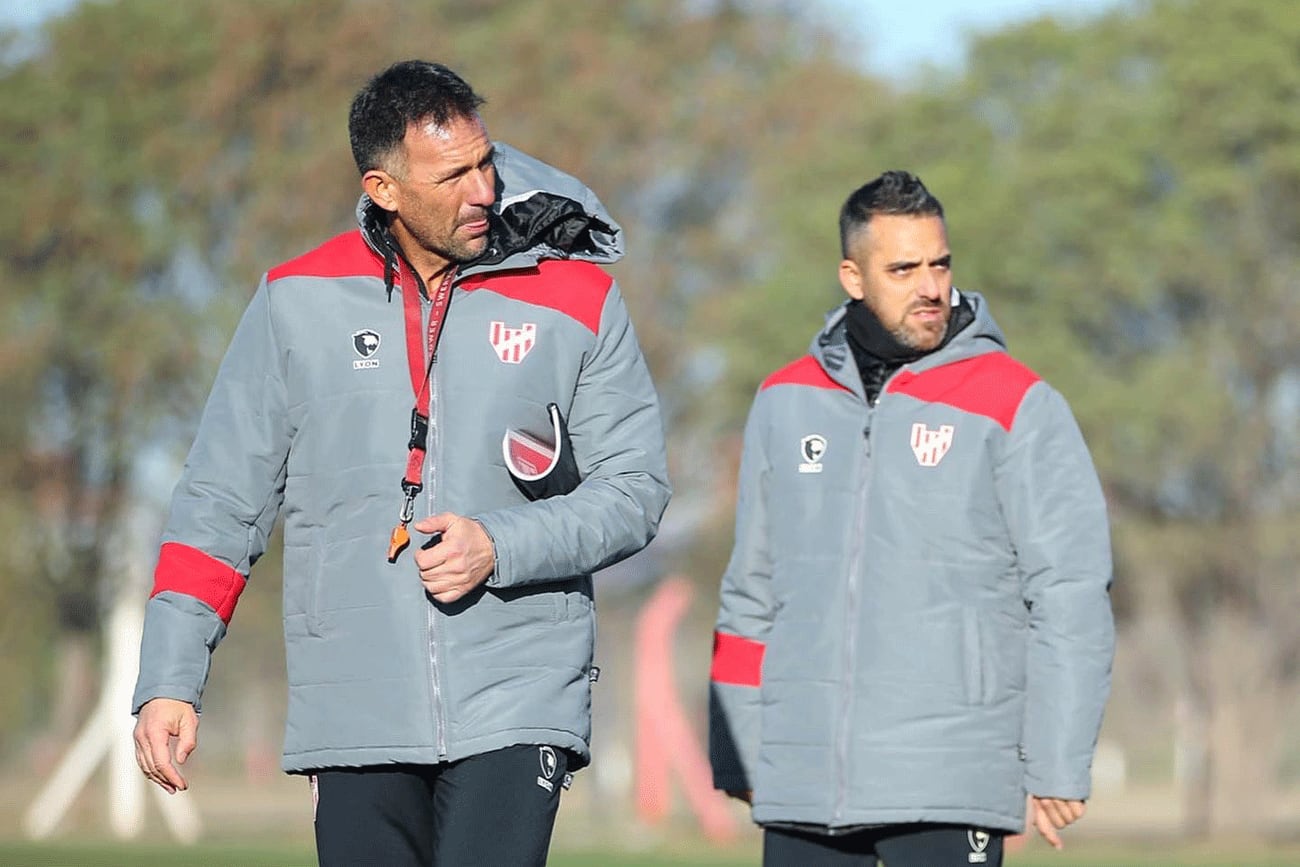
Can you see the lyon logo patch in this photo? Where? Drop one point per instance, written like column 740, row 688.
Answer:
column 365, row 343
column 811, row 449
column 930, row 446
column 546, row 757
column 979, row 844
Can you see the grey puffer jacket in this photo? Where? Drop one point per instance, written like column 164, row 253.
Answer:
column 915, row 622
column 309, row 417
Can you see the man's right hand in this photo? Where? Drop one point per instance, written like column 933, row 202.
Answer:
column 165, row 723
column 1049, row 815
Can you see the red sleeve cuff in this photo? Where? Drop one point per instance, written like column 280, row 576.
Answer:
column 737, row 660
column 182, row 569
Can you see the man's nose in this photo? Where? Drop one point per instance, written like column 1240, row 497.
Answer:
column 930, row 287
column 483, row 191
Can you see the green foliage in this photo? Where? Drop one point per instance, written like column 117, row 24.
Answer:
column 102, row 346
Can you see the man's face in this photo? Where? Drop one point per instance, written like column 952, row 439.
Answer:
column 441, row 195
column 899, row 266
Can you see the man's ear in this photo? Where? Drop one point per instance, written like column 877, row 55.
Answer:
column 851, row 279
column 380, row 186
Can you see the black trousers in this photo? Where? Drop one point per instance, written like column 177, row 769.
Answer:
column 494, row 808
column 913, row 845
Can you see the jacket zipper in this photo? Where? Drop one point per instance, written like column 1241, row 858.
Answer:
column 851, row 623
column 433, row 449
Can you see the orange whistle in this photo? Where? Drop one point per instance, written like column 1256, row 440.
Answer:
column 397, row 542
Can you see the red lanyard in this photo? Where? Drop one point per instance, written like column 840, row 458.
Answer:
column 419, row 358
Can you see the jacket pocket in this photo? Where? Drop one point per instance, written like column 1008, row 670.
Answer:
column 979, row 681
column 302, row 579
column 312, row 583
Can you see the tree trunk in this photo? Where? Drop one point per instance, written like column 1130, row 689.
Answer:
column 1245, row 725
column 76, row 674
column 1228, row 728
column 1193, row 763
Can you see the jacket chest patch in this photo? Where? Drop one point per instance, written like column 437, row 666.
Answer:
column 930, row 446
column 811, row 449
column 512, row 344
column 365, row 343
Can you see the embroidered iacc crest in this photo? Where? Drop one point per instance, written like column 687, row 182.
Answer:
column 512, row 344
column 365, row 343
column 930, row 446
column 811, row 449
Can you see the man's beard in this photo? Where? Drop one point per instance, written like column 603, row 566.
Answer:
column 454, row 251
column 915, row 338
column 462, row 253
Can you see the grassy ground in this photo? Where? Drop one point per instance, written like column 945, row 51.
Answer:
column 1079, row 855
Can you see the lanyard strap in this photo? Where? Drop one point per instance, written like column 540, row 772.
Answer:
column 419, row 359
column 421, row 350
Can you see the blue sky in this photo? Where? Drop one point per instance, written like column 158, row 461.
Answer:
column 17, row 13
column 896, row 37
column 899, row 36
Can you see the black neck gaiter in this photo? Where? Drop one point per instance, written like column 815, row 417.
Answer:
column 878, row 353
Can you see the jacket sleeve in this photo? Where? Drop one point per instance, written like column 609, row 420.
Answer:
column 1057, row 516
column 222, row 513
column 618, row 440
column 744, row 620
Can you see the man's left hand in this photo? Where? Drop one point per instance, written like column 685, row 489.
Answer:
column 460, row 562
column 1049, row 815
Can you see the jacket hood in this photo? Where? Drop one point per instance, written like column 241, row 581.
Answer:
column 540, row 213
column 831, row 346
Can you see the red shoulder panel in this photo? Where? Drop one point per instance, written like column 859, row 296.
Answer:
column 576, row 289
column 188, row 570
column 737, row 660
column 345, row 255
column 991, row 385
column 805, row 371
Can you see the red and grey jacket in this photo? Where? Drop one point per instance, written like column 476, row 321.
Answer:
column 310, row 417
column 915, row 622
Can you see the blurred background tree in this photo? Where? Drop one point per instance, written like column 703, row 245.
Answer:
column 1124, row 189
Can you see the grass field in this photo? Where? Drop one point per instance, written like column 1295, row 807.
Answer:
column 1079, row 855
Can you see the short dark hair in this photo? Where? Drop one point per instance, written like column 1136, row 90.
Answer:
column 894, row 192
column 412, row 91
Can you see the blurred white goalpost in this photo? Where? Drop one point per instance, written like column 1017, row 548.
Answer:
column 106, row 735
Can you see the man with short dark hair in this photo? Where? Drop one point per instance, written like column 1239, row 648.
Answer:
column 439, row 699
column 915, row 631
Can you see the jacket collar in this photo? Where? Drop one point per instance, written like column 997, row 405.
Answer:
column 540, row 213
column 831, row 347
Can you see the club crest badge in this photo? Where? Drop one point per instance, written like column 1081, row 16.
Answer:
column 811, row 449
column 365, row 343
column 979, row 844
column 547, row 758
column 930, row 446
column 512, row 344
